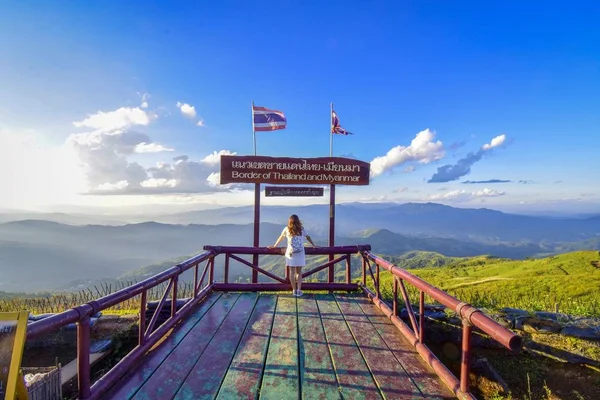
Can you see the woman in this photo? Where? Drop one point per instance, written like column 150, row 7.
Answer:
column 294, row 254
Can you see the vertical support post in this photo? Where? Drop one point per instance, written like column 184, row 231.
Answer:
column 83, row 357
column 195, row 281
column 287, row 274
column 142, row 330
column 364, row 271
column 348, row 269
column 256, row 229
column 226, row 272
column 331, row 229
column 465, row 364
column 211, row 271
column 377, row 283
column 395, row 300
column 421, row 317
column 174, row 296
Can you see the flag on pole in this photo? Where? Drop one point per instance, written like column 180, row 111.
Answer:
column 336, row 128
column 268, row 120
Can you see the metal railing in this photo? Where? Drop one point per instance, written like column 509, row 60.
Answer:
column 148, row 336
column 470, row 316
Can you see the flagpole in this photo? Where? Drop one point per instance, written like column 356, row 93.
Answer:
column 256, row 241
column 330, row 132
column 253, row 130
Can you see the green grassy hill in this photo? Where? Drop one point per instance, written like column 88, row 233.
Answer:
column 568, row 281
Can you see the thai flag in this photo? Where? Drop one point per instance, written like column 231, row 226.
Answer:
column 336, row 128
column 268, row 120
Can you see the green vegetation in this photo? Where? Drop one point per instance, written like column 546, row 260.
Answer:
column 567, row 281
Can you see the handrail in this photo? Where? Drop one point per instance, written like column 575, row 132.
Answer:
column 465, row 311
column 147, row 336
column 469, row 315
column 281, row 250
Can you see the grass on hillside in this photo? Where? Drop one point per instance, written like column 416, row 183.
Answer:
column 567, row 282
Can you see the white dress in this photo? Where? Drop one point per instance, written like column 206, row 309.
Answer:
column 295, row 259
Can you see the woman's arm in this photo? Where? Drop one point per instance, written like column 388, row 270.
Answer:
column 279, row 239
column 310, row 241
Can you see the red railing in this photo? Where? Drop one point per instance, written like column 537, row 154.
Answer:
column 149, row 333
column 469, row 315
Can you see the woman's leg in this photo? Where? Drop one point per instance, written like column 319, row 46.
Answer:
column 299, row 278
column 293, row 278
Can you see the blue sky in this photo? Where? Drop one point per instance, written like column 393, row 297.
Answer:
column 468, row 71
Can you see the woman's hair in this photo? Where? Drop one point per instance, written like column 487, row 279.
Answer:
column 294, row 225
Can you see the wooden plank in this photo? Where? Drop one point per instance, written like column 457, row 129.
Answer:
column 204, row 380
column 317, row 376
column 167, row 379
column 353, row 375
column 128, row 386
column 245, row 372
column 391, row 378
column 280, row 378
column 426, row 380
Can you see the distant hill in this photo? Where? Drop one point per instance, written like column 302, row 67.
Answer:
column 44, row 255
column 568, row 281
column 415, row 219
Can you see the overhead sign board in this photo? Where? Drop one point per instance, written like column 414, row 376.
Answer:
column 286, row 170
column 294, row 191
column 13, row 331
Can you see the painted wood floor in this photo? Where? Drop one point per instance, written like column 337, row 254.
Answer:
column 266, row 346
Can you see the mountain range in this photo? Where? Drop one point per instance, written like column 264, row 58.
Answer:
column 40, row 255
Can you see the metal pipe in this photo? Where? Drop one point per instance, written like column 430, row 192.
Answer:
column 142, row 326
column 409, row 309
column 281, row 251
column 465, row 311
column 348, row 269
column 395, row 297
column 269, row 287
column 440, row 369
column 83, row 357
column 364, row 271
column 421, row 316
column 465, row 363
column 256, row 241
column 103, row 384
column 322, row 266
column 174, row 296
column 226, row 272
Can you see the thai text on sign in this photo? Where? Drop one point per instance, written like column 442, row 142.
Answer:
column 276, row 191
column 285, row 170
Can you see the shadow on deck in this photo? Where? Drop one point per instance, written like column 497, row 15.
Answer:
column 268, row 346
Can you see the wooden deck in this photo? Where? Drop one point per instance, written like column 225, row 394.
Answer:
column 266, row 346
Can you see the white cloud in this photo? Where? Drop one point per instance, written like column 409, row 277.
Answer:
column 463, row 195
column 410, row 168
column 201, row 123
column 113, row 187
column 158, row 183
column 151, row 148
column 215, row 157
column 400, row 190
column 422, row 149
column 186, row 109
column 497, row 141
column 145, row 100
column 123, row 118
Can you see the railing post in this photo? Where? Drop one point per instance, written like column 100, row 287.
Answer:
column 421, row 316
column 287, row 274
column 377, row 283
column 364, row 271
column 83, row 357
column 465, row 365
column 211, row 272
column 226, row 272
column 142, row 330
column 348, row 269
column 395, row 300
column 174, row 296
column 195, row 281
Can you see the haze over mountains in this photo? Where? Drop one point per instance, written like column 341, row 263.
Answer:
column 41, row 255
